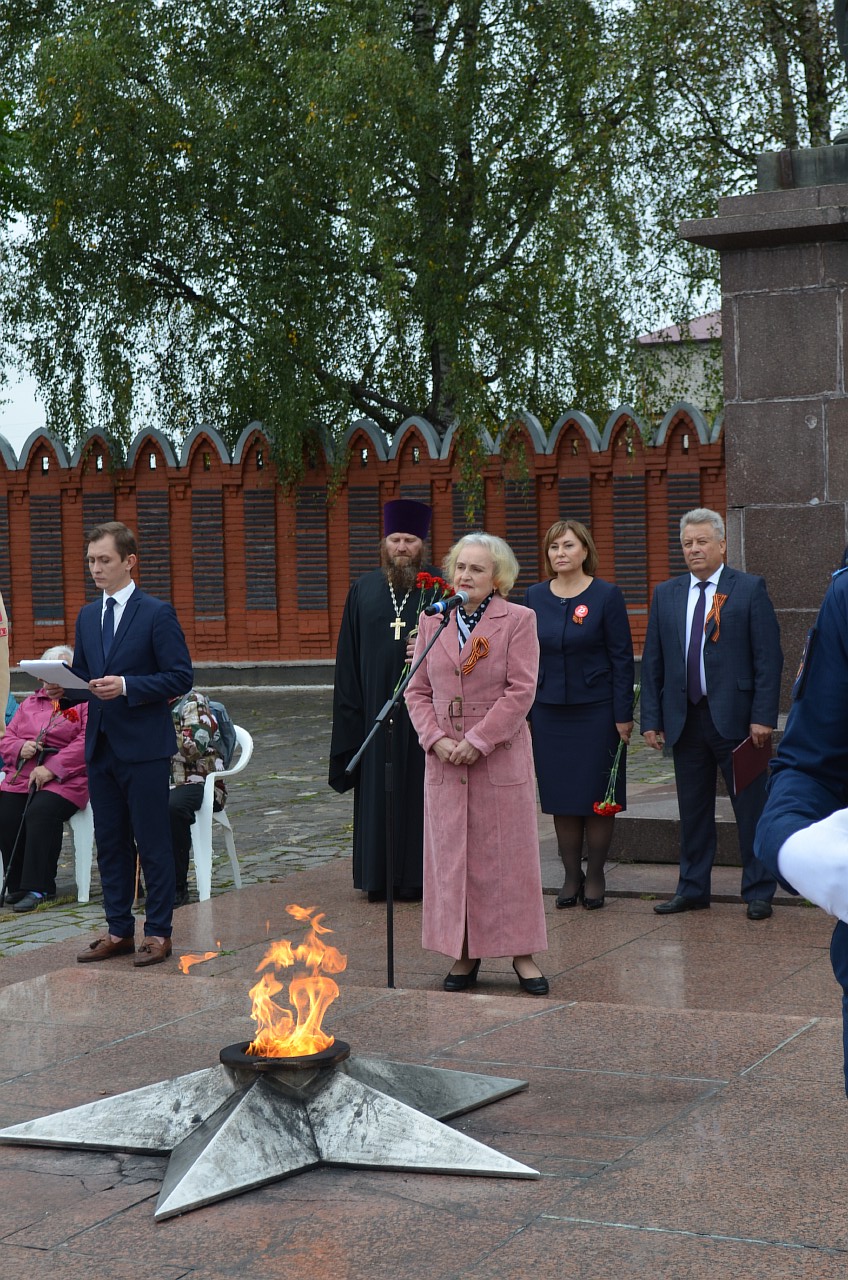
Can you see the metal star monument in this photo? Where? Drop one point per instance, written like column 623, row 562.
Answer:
column 251, row 1121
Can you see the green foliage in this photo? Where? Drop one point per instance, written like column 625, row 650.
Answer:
column 305, row 213
column 302, row 213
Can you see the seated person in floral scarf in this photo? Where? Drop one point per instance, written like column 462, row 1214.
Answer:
column 199, row 753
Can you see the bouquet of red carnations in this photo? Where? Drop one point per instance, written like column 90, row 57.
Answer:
column 432, row 588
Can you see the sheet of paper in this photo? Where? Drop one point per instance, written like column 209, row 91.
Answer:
column 52, row 673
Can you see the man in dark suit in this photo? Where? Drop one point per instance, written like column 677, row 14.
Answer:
column 711, row 678
column 130, row 740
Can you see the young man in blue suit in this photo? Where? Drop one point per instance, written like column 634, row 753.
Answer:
column 131, row 650
column 710, row 678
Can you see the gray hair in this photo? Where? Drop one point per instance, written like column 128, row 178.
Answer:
column 702, row 515
column 58, row 653
column 506, row 567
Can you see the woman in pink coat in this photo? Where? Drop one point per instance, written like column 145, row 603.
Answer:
column 469, row 702
column 43, row 749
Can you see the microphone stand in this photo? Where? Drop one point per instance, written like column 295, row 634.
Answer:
column 384, row 719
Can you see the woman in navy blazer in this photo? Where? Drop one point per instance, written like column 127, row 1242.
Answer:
column 583, row 706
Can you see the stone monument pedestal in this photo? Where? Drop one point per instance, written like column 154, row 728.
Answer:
column 784, row 282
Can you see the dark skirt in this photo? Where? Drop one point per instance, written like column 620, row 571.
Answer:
column 574, row 749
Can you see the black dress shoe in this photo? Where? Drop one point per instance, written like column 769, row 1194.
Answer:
column 462, row 981
column 376, row 895
column 573, row 900
column 533, row 986
column 758, row 909
column 15, row 896
column 680, row 904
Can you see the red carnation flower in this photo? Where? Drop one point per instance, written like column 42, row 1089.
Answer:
column 607, row 807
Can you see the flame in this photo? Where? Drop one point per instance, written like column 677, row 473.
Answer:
column 278, row 1035
column 185, row 962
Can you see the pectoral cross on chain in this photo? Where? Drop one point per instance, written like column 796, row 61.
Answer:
column 397, row 625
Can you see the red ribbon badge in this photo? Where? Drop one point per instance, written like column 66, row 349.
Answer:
column 581, row 612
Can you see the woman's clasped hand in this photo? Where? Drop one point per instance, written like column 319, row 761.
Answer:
column 451, row 752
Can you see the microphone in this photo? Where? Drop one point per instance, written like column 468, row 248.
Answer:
column 445, row 606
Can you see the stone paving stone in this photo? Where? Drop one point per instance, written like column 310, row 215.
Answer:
column 673, row 1140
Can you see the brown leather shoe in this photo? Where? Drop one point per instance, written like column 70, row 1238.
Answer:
column 152, row 951
column 105, row 948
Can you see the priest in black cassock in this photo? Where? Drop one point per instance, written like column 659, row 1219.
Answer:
column 382, row 607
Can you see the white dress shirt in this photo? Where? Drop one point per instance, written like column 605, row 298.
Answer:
column 694, row 593
column 120, row 597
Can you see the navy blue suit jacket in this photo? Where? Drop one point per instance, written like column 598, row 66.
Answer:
column 150, row 652
column 809, row 777
column 590, row 661
column 742, row 664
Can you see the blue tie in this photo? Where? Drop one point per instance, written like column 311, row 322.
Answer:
column 693, row 654
column 108, row 625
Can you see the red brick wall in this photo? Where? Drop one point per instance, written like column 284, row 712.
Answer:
column 236, row 588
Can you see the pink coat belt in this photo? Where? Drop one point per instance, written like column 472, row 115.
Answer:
column 460, row 707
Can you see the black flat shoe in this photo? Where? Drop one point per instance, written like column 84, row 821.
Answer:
column 462, row 981
column 533, row 986
column 575, row 897
column 29, row 901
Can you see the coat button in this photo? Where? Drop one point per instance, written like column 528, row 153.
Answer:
column 507, row 746
column 456, row 671
column 458, row 728
column 463, row 781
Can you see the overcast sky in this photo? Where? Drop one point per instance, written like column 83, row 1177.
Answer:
column 20, row 414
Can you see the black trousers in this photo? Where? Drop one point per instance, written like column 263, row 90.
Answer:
column 699, row 750
column 37, row 855
column 183, row 803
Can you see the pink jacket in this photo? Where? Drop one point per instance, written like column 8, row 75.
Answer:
column 481, row 844
column 65, row 731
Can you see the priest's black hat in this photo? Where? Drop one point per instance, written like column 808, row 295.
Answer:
column 404, row 515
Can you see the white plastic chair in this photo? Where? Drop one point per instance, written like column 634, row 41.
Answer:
column 201, row 831
column 82, row 830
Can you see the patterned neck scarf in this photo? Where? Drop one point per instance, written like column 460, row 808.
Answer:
column 466, row 622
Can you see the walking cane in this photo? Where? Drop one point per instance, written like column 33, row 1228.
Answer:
column 8, row 867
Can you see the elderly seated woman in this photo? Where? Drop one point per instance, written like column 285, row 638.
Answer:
column 43, row 753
